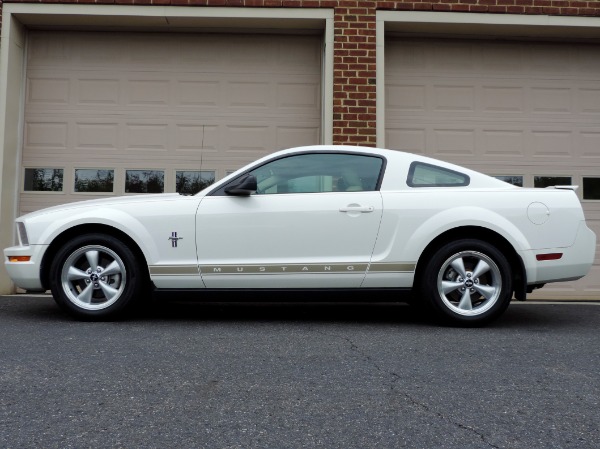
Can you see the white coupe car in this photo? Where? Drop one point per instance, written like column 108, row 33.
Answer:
column 313, row 218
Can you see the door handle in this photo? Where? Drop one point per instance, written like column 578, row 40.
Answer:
column 357, row 208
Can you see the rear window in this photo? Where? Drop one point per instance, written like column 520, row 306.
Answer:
column 421, row 174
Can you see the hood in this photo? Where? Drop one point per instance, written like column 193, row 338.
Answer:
column 103, row 202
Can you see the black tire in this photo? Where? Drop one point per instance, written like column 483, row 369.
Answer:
column 96, row 277
column 467, row 282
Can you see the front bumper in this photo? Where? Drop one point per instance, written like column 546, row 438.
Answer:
column 26, row 275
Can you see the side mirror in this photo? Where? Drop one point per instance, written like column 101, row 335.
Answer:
column 244, row 187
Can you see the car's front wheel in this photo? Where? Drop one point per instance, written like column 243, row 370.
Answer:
column 95, row 276
column 467, row 282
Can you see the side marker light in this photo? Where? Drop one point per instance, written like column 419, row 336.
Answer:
column 549, row 256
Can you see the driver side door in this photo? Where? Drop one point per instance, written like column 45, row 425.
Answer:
column 312, row 223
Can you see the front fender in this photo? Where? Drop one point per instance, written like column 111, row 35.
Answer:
column 51, row 227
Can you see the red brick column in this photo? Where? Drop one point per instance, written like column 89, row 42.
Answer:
column 354, row 90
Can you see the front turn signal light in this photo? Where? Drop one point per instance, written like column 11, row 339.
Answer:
column 19, row 258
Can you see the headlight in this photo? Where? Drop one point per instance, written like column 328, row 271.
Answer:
column 23, row 240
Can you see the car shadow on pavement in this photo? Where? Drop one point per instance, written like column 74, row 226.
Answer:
column 540, row 317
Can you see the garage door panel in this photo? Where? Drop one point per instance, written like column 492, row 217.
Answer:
column 47, row 91
column 588, row 145
column 589, row 101
column 502, row 99
column 295, row 136
column 93, row 136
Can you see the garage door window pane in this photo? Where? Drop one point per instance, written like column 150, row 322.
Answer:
column 514, row 180
column 549, row 181
column 94, row 180
column 591, row 188
column 190, row 182
column 43, row 180
column 144, row 181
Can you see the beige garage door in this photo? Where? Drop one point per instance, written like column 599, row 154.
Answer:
column 527, row 111
column 114, row 113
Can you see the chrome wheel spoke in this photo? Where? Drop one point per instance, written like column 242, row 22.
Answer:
column 92, row 258
column 465, row 301
column 481, row 268
column 112, row 268
column 487, row 291
column 108, row 291
column 450, row 286
column 86, row 295
column 459, row 266
column 76, row 274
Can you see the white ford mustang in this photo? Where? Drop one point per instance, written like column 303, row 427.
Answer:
column 322, row 217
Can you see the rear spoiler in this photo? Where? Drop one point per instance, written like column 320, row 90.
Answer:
column 573, row 188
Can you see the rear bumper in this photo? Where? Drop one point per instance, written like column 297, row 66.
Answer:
column 575, row 262
column 25, row 275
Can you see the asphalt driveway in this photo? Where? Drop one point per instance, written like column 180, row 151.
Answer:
column 298, row 376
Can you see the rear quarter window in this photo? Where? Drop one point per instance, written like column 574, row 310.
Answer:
column 421, row 174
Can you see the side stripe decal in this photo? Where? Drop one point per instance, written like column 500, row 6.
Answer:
column 216, row 270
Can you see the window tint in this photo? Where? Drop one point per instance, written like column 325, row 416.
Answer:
column 319, row 172
column 427, row 175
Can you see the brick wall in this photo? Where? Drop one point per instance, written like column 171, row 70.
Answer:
column 354, row 115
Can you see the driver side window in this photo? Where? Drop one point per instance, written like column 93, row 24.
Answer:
column 318, row 173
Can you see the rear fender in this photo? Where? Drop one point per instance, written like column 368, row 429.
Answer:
column 450, row 219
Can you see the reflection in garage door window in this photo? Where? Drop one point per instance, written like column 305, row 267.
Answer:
column 549, row 181
column 144, row 181
column 591, row 188
column 94, row 180
column 514, row 180
column 190, row 182
column 43, row 180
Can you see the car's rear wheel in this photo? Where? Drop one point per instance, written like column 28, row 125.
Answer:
column 467, row 282
column 95, row 276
